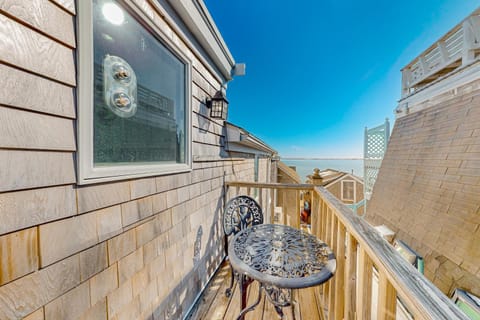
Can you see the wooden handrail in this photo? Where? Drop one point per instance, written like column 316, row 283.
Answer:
column 279, row 186
column 356, row 243
column 421, row 297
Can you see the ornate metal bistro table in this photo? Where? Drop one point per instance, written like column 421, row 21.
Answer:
column 280, row 258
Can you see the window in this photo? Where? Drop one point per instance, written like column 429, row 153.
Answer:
column 134, row 96
column 348, row 190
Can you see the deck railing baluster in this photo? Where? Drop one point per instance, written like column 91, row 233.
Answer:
column 350, row 277
column 387, row 299
column 340, row 281
column 364, row 285
column 333, row 282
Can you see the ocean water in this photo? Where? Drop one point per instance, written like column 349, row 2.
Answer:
column 305, row 167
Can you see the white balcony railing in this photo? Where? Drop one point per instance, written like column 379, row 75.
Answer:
column 458, row 48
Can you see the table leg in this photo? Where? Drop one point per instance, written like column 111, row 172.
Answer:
column 244, row 283
column 243, row 291
column 279, row 298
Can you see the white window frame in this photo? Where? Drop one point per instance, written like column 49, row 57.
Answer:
column 354, row 191
column 86, row 171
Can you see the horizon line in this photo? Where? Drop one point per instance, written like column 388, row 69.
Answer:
column 322, row 158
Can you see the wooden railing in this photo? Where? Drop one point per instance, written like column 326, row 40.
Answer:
column 362, row 257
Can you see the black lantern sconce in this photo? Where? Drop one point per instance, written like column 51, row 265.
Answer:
column 218, row 106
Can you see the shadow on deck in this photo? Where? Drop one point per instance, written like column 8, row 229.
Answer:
column 214, row 305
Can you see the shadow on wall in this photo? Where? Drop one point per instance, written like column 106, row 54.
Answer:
column 203, row 118
column 177, row 303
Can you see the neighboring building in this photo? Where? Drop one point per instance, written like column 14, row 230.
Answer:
column 345, row 186
column 428, row 187
column 111, row 203
column 287, row 174
column 286, row 200
column 239, row 143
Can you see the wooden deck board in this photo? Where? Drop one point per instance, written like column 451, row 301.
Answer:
column 210, row 295
column 257, row 313
column 310, row 309
column 233, row 304
column 214, row 305
column 219, row 305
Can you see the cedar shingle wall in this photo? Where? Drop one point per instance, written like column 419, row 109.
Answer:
column 428, row 188
column 124, row 249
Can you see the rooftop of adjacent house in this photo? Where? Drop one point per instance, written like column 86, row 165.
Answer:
column 289, row 172
column 240, row 140
column 328, row 176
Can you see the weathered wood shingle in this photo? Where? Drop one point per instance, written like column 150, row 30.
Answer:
column 428, row 189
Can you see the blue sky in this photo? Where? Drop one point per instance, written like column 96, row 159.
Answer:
column 319, row 71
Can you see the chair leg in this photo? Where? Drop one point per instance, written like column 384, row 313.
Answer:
column 228, row 291
column 279, row 312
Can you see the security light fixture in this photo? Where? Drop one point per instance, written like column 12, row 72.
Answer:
column 218, row 106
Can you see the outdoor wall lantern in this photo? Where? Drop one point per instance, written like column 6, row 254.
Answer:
column 218, row 106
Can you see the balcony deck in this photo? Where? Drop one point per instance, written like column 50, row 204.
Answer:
column 214, row 305
column 372, row 280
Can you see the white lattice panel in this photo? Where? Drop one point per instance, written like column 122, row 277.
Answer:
column 376, row 140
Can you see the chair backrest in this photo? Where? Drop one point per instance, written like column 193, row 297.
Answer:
column 241, row 212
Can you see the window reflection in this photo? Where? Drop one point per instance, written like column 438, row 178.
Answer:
column 155, row 133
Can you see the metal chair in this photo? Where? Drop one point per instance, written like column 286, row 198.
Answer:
column 240, row 212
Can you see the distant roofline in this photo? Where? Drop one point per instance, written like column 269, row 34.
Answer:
column 236, row 135
column 342, row 176
column 200, row 23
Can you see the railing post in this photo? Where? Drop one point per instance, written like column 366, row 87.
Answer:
column 387, row 298
column 324, row 221
column 326, row 235
column 364, row 286
column 406, row 79
column 424, row 65
column 271, row 206
column 340, row 278
column 442, row 48
column 328, row 223
column 350, row 277
column 333, row 282
column 468, row 55
column 315, row 214
column 260, row 197
column 296, row 214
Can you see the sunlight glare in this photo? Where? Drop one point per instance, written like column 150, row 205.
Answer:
column 113, row 13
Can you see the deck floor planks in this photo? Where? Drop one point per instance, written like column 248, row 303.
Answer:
column 309, row 308
column 214, row 305
column 210, row 295
column 257, row 313
column 219, row 305
column 234, row 303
